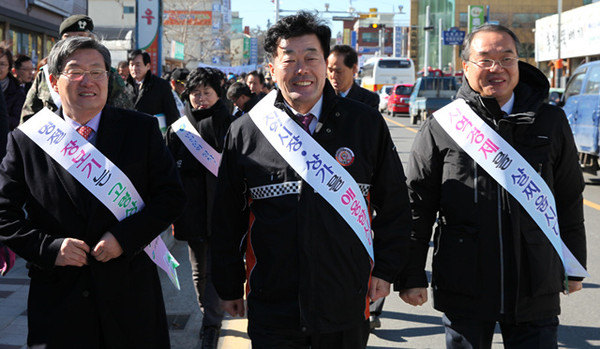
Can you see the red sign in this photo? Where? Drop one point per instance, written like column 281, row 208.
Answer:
column 187, row 18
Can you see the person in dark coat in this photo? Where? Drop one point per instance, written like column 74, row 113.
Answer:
column 243, row 99
column 342, row 65
column 14, row 94
column 492, row 262
column 24, row 71
column 208, row 114
column 92, row 285
column 309, row 275
column 152, row 94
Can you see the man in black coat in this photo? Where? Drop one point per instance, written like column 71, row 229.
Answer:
column 492, row 262
column 310, row 276
column 243, row 99
column 342, row 65
column 92, row 285
column 152, row 94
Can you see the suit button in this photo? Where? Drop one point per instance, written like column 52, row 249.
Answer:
column 85, row 293
column 328, row 130
column 304, row 329
column 337, row 113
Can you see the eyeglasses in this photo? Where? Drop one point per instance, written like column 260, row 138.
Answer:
column 77, row 74
column 505, row 62
column 3, row 65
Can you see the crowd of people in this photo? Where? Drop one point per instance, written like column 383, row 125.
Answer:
column 289, row 192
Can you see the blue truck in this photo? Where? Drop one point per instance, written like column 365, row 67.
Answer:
column 581, row 103
column 429, row 94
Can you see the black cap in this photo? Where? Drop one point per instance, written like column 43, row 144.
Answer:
column 76, row 23
column 180, row 74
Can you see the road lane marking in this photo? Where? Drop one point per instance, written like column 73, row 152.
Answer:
column 234, row 341
column 593, row 205
column 401, row 125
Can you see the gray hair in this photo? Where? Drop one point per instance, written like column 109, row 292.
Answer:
column 67, row 47
column 466, row 50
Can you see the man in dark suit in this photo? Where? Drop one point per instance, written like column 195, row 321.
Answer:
column 152, row 94
column 92, row 285
column 342, row 65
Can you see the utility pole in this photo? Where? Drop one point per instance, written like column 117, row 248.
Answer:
column 427, row 28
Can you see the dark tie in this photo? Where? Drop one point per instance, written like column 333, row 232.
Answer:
column 305, row 121
column 85, row 131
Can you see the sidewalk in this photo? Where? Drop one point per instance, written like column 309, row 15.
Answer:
column 14, row 288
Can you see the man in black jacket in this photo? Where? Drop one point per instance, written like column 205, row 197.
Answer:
column 310, row 277
column 492, row 262
column 342, row 65
column 243, row 99
column 152, row 94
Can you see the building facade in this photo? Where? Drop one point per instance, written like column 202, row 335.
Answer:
column 30, row 27
column 519, row 16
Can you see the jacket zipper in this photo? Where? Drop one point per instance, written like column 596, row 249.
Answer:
column 501, row 249
column 475, row 180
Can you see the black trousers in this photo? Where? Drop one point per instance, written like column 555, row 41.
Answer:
column 466, row 333
column 354, row 338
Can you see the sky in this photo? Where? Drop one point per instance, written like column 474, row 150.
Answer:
column 257, row 12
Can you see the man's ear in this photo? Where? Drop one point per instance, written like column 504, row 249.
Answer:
column 272, row 70
column 54, row 82
column 355, row 70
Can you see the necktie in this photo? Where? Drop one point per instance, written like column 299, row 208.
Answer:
column 305, row 120
column 85, row 131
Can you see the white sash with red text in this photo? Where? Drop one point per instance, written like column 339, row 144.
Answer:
column 316, row 166
column 96, row 173
column 498, row 158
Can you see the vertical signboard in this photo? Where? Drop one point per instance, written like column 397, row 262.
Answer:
column 476, row 17
column 397, row 41
column 254, row 51
column 148, row 31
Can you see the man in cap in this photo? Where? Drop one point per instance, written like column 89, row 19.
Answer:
column 40, row 96
column 178, row 77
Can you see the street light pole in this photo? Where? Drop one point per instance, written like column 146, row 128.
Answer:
column 426, row 54
column 276, row 11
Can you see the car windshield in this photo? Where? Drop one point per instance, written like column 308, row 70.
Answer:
column 388, row 90
column 403, row 90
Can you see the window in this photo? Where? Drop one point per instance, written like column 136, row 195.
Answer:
column 128, row 9
column 367, row 70
column 574, row 86
column 370, row 37
column 592, row 86
column 403, row 90
column 398, row 63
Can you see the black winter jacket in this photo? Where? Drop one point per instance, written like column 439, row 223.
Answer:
column 490, row 259
column 364, row 96
column 14, row 96
column 307, row 269
column 155, row 97
column 198, row 182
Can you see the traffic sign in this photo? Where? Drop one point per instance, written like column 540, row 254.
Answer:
column 454, row 36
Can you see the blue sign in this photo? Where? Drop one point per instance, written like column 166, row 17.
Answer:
column 253, row 51
column 454, row 36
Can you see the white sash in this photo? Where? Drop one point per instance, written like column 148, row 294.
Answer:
column 192, row 140
column 319, row 169
column 53, row 94
column 510, row 170
column 96, row 173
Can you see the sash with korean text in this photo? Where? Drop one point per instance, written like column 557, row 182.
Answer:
column 315, row 165
column 498, row 158
column 192, row 140
column 96, row 173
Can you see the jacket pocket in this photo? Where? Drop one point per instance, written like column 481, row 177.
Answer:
column 456, row 261
column 542, row 263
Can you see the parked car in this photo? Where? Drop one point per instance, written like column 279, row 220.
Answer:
column 384, row 94
column 398, row 100
column 581, row 103
column 555, row 95
column 429, row 95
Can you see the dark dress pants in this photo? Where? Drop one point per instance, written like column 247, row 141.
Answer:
column 354, row 338
column 207, row 295
column 466, row 333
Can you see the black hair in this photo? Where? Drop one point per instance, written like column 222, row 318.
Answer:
column 203, row 77
column 302, row 23
column 238, row 89
column 466, row 49
column 257, row 75
column 350, row 55
column 134, row 53
column 20, row 59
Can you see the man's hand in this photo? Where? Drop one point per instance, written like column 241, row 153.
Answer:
column 72, row 252
column 107, row 248
column 414, row 296
column 575, row 286
column 234, row 307
column 379, row 288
